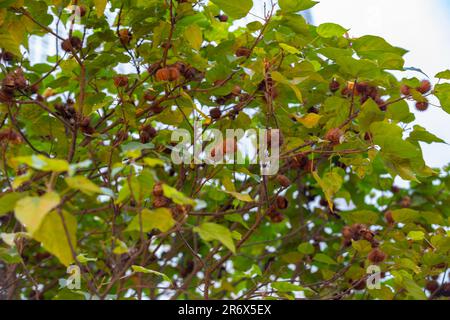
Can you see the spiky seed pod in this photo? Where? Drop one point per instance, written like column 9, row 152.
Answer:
column 162, row 74
column 376, row 256
column 432, row 286
column 153, row 68
column 125, row 36
column 5, row 96
column 222, row 18
column 282, row 202
column 174, row 74
column 425, row 87
column 422, row 105
column 347, row 232
column 158, row 189
column 405, row 90
column 215, row 113
column 334, row 135
column 243, row 52
column 361, row 87
column 161, row 201
column 405, row 202
column 334, row 85
column 283, row 181
column 181, row 66
column 120, row 81
column 389, row 218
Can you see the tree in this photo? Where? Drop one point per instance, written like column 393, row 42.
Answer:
column 87, row 180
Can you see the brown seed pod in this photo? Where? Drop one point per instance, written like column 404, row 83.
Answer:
column 10, row 136
column 422, row 105
column 215, row 113
column 376, row 256
column 144, row 137
column 125, row 36
column 405, row 202
column 153, row 68
column 85, row 122
column 222, row 18
column 162, row 74
column 425, row 87
column 158, row 189
column 334, row 85
column 181, row 66
column 160, row 202
column 432, row 286
column 282, row 202
column 149, row 96
column 74, row 43
column 156, row 108
column 236, row 90
column 174, row 74
column 283, row 181
column 7, row 56
column 120, row 81
column 361, row 87
column 82, row 10
column 334, row 135
column 405, row 90
column 243, row 52
column 193, row 74
column 5, row 96
column 388, row 216
column 347, row 232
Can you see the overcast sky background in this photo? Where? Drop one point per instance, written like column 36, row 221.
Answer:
column 420, row 26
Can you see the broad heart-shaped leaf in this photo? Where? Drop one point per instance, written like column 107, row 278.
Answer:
column 43, row 163
column 83, row 184
column 8, row 201
column 309, row 120
column 177, row 196
column 371, row 46
column 145, row 270
column 416, row 235
column 370, row 112
column 330, row 183
column 421, row 134
column 236, row 9
column 193, row 34
column 278, row 77
column 443, row 75
column 329, row 30
column 360, row 216
column 358, row 68
column 100, row 6
column 53, row 236
column 320, row 257
column 209, row 231
column 442, row 91
column 31, row 211
column 160, row 218
column 296, row 5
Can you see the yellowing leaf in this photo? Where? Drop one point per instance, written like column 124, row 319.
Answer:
column 309, row 121
column 100, row 6
column 83, row 184
column 240, row 196
column 31, row 211
column 8, row 201
column 145, row 270
column 289, row 48
column 43, row 163
column 209, row 231
column 177, row 196
column 152, row 162
column 193, row 34
column 53, row 237
column 160, row 218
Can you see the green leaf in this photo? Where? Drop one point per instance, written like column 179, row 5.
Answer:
column 405, row 215
column 306, row 248
column 278, row 77
column 100, row 6
column 360, row 216
column 31, row 211
column 288, row 287
column 41, row 162
column 8, row 201
column 414, row 290
column 372, row 46
column 53, row 236
column 160, row 218
column 236, row 9
column 296, row 5
column 83, row 184
column 421, row 134
column 323, row 258
column 442, row 92
column 82, row 258
column 362, row 246
column 145, row 270
column 330, row 183
column 289, row 48
column 329, row 30
column 416, row 235
column 443, row 75
column 370, row 112
column 10, row 255
column 177, row 196
column 193, row 34
column 209, row 231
